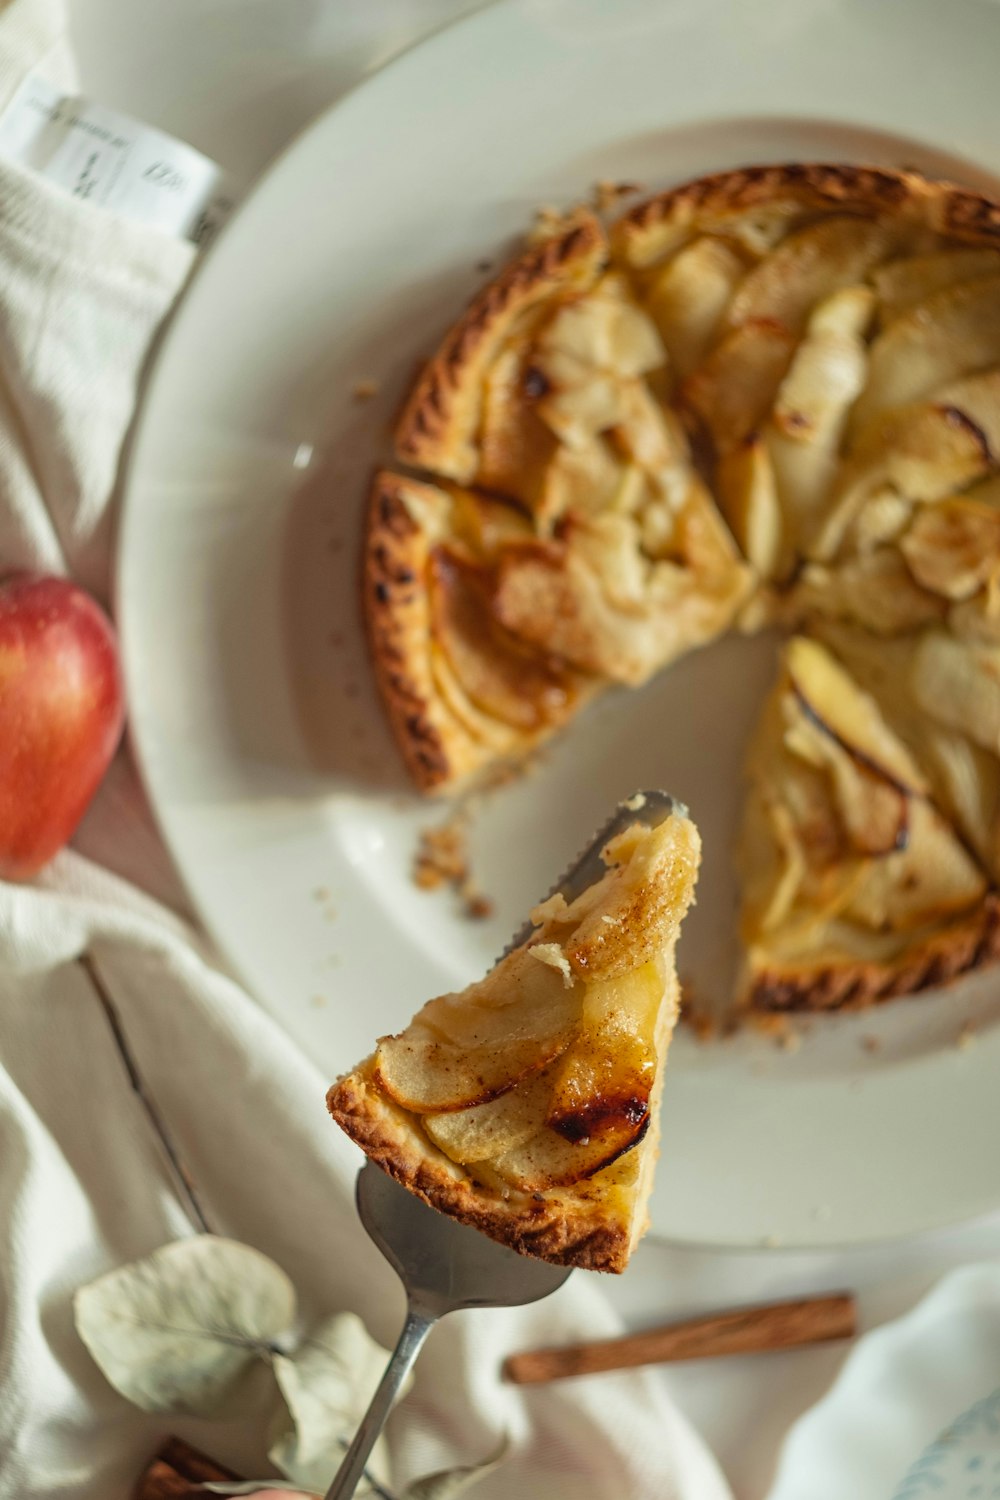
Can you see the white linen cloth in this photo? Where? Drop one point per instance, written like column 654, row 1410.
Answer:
column 81, row 1186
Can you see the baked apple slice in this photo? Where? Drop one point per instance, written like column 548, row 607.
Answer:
column 951, row 333
column 515, row 1105
column 913, row 278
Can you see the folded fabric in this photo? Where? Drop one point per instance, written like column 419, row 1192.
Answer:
column 82, row 1187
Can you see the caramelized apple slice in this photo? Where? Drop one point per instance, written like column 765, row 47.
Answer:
column 465, row 1049
column 603, row 1080
column 580, row 402
column 952, row 333
column 772, row 865
column 810, row 411
column 965, row 777
column 490, row 1130
column 836, row 704
column 733, row 390
column 953, row 547
column 874, row 812
column 689, row 296
column 978, row 619
column 485, row 524
column 595, row 597
column 600, row 1102
column 584, row 480
column 515, row 445
column 874, row 589
column 930, row 879
column 549, row 1160
column 958, row 683
column 901, row 283
column 502, row 678
column 748, row 495
column 925, row 452
column 808, row 266
column 605, row 330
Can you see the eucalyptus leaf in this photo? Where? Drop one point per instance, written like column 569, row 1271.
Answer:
column 445, row 1484
column 327, row 1385
column 174, row 1332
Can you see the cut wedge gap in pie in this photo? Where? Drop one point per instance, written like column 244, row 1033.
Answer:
column 527, row 1105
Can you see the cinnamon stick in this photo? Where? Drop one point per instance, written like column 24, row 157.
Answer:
column 177, row 1472
column 749, row 1330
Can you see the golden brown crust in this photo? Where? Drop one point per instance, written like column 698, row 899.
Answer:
column 936, row 961
column 652, row 227
column 437, row 427
column 406, row 519
column 539, row 1224
column 435, row 747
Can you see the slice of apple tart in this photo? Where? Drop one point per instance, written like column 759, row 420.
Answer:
column 855, row 886
column 527, row 1105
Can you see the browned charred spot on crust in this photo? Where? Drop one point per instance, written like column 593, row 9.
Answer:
column 856, row 755
column 530, row 1224
column 815, row 186
column 903, row 831
column 580, row 1125
column 535, row 383
column 970, row 943
column 427, row 410
column 795, row 421
column 961, row 420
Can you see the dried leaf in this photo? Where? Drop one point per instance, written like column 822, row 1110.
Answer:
column 174, row 1332
column 445, row 1484
column 327, row 1385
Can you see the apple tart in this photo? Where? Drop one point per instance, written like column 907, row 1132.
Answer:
column 528, row 1104
column 770, row 396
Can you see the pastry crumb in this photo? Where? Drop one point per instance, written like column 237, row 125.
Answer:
column 364, row 390
column 442, row 859
column 318, row 1000
column 871, row 1043
column 552, row 954
column 771, row 1241
column 704, row 1025
column 608, row 194
column 777, row 1027
column 477, row 906
column 966, row 1037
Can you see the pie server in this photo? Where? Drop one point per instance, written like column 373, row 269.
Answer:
column 446, row 1266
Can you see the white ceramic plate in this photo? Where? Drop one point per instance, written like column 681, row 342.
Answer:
column 252, row 707
column 915, row 1412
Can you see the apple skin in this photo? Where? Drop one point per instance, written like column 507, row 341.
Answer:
column 61, row 715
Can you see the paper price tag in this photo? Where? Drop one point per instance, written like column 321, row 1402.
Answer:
column 108, row 158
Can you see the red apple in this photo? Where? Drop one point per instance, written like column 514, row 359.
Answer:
column 61, row 715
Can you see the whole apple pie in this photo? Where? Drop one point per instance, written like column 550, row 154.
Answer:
column 770, row 396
